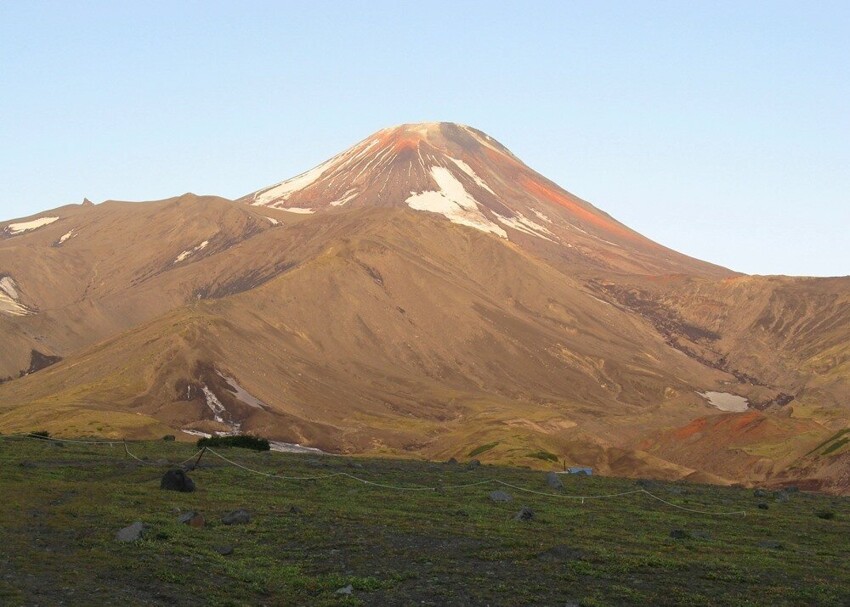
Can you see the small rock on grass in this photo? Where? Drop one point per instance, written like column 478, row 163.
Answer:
column 237, row 517
column 763, row 506
column 561, row 553
column 193, row 519
column 554, row 481
column 500, row 496
column 525, row 514
column 772, row 544
column 224, row 550
column 346, row 590
column 131, row 533
column 679, row 534
column 473, row 463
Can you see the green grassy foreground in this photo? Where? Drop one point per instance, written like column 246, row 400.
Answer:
column 62, row 506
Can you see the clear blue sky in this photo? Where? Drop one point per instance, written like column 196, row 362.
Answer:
column 720, row 129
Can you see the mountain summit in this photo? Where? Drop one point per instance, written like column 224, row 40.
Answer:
column 473, row 180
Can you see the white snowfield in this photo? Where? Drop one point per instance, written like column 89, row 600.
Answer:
column 9, row 303
column 468, row 170
column 189, row 252
column 66, row 236
column 453, row 202
column 299, row 210
column 26, row 226
column 726, row 401
column 284, row 189
column 347, row 197
column 524, row 224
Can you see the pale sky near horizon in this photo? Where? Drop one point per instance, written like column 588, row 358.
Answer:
column 719, row 129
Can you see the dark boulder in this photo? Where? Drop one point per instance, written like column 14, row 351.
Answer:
column 177, row 480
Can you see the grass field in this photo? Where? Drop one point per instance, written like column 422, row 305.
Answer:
column 62, row 506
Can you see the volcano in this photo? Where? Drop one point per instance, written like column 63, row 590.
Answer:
column 423, row 294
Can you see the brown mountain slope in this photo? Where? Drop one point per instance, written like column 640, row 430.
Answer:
column 424, row 293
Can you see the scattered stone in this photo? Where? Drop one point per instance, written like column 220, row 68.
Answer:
column 294, row 510
column 177, row 480
column 645, row 483
column 461, row 513
column 763, row 506
column 679, row 534
column 561, row 553
column 761, row 493
column 237, row 517
column 193, row 519
column 500, row 496
column 452, row 461
column 473, row 463
column 826, row 515
column 782, row 496
column 347, row 590
column 131, row 533
column 224, row 550
column 772, row 544
column 554, row 481
column 525, row 514
column 168, row 438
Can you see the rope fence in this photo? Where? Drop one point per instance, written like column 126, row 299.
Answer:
column 419, row 488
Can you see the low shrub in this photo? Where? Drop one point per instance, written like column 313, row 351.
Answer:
column 244, row 441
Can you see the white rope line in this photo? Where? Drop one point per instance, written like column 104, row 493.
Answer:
column 68, row 440
column 663, row 501
column 569, row 497
column 274, row 475
column 147, row 463
column 483, row 482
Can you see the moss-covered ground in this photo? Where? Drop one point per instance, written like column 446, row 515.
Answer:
column 62, row 505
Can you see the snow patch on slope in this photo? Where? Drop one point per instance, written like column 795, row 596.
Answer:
column 273, row 221
column 468, row 170
column 241, row 393
column 347, row 197
column 283, row 190
column 26, row 226
column 9, row 298
column 189, row 252
column 65, row 237
column 524, row 224
column 453, row 202
column 299, row 210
